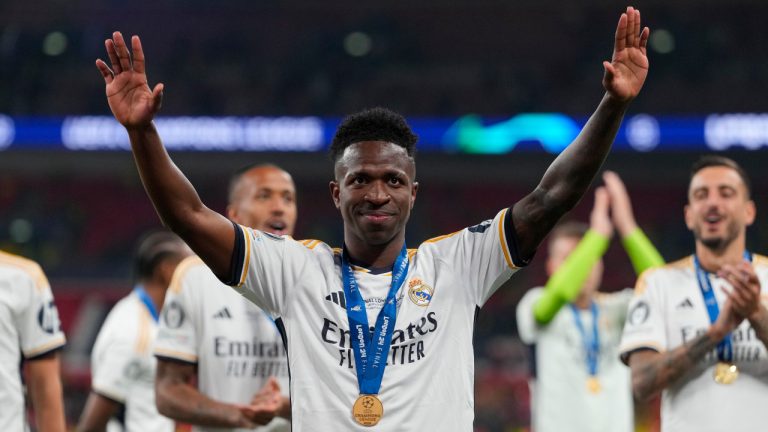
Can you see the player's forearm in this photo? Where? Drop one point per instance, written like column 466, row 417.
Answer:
column 759, row 322
column 173, row 196
column 652, row 372
column 49, row 407
column 641, row 251
column 184, row 403
column 568, row 177
column 566, row 283
column 46, row 393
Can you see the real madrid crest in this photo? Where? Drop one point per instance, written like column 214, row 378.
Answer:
column 419, row 292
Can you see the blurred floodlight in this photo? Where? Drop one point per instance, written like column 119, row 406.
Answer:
column 7, row 131
column 643, row 132
column 55, row 43
column 357, row 44
column 20, row 230
column 662, row 41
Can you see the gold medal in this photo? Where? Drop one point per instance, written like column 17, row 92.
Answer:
column 593, row 385
column 726, row 373
column 367, row 410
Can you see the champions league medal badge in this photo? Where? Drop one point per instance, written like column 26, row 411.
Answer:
column 367, row 410
column 726, row 373
column 419, row 292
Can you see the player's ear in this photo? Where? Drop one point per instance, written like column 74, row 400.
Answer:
column 688, row 216
column 414, row 191
column 335, row 192
column 231, row 212
column 751, row 211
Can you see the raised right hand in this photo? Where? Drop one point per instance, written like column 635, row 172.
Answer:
column 131, row 100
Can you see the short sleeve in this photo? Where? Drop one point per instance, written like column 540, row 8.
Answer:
column 645, row 326
column 527, row 327
column 115, row 366
column 485, row 253
column 37, row 318
column 268, row 265
column 178, row 336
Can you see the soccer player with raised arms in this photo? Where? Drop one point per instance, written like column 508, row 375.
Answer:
column 415, row 370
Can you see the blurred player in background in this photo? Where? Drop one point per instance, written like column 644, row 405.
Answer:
column 580, row 383
column 122, row 365
column 434, row 292
column 30, row 333
column 212, row 333
column 697, row 328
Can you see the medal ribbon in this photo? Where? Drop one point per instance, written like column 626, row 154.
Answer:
column 591, row 345
column 144, row 297
column 725, row 347
column 371, row 348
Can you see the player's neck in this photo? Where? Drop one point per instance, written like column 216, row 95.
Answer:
column 156, row 293
column 584, row 301
column 712, row 259
column 374, row 256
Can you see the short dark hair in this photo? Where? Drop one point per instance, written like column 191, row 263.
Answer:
column 154, row 248
column 373, row 124
column 234, row 179
column 711, row 160
column 570, row 229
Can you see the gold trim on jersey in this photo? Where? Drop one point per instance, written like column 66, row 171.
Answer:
column 503, row 240
column 442, row 237
column 142, row 342
column 163, row 352
column 28, row 266
column 181, row 272
column 760, row 260
column 641, row 285
column 247, row 261
column 310, row 243
column 51, row 345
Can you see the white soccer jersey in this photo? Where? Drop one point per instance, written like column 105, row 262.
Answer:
column 667, row 312
column 428, row 384
column 123, row 367
column 560, row 399
column 235, row 345
column 30, row 327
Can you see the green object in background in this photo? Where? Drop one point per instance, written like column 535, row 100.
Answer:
column 470, row 135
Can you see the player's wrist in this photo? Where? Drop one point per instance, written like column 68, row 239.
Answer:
column 628, row 229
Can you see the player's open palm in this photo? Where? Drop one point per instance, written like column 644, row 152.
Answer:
column 627, row 70
column 131, row 100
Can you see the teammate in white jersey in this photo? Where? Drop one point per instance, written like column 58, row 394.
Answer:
column 122, row 364
column 32, row 333
column 580, row 384
column 697, row 330
column 427, row 298
column 211, row 333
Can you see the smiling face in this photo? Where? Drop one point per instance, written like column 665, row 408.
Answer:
column 375, row 191
column 719, row 208
column 264, row 198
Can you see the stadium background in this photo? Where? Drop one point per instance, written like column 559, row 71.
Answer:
column 79, row 212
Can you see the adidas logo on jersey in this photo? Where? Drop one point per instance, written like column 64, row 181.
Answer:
column 224, row 313
column 685, row 304
column 338, row 298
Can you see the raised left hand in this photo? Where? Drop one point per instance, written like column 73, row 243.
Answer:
column 628, row 68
